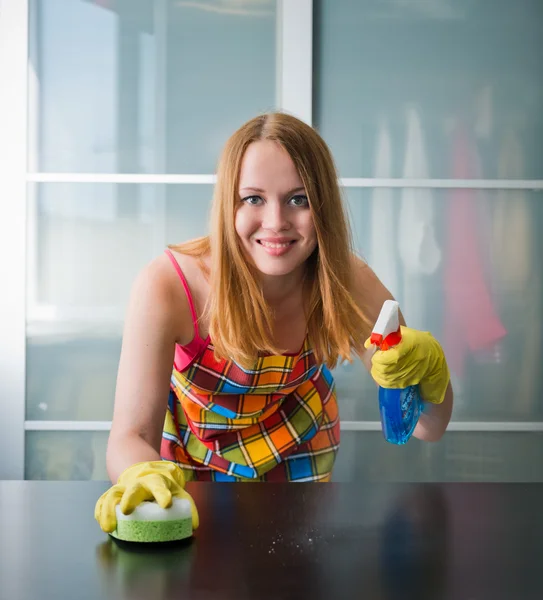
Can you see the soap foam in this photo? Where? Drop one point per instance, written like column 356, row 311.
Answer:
column 151, row 511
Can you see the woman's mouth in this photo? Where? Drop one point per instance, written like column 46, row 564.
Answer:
column 276, row 247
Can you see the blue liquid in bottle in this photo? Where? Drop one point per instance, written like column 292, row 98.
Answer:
column 400, row 411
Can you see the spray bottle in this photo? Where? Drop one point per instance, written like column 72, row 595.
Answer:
column 400, row 408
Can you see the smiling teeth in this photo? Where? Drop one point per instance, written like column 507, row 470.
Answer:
column 272, row 245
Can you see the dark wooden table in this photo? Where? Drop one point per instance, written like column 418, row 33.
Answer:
column 339, row 541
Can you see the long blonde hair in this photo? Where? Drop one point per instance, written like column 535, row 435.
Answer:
column 240, row 320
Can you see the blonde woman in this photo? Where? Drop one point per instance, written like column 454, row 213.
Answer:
column 252, row 318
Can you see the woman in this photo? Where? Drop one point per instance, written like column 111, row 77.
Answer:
column 252, row 318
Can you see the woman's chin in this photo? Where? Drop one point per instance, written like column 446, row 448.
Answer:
column 276, row 268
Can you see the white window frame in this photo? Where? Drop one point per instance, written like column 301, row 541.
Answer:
column 13, row 157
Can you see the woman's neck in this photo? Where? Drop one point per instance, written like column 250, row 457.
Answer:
column 281, row 290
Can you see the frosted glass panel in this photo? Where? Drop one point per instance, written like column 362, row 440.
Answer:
column 71, row 374
column 146, row 86
column 87, row 242
column 363, row 456
column 66, row 455
column 459, row 456
column 465, row 265
column 435, row 67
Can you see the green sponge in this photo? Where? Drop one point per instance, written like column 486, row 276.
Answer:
column 151, row 523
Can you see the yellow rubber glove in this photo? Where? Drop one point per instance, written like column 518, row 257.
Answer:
column 417, row 360
column 155, row 480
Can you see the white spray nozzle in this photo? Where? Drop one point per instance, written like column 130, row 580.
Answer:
column 387, row 323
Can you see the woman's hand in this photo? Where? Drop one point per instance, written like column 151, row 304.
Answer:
column 417, row 360
column 155, row 480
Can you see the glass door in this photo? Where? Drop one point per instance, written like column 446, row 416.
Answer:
column 433, row 113
column 128, row 106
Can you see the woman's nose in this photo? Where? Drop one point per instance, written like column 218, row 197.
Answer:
column 275, row 217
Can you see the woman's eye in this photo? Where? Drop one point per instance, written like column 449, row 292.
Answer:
column 299, row 201
column 254, row 200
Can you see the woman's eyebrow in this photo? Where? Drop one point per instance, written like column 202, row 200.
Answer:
column 261, row 191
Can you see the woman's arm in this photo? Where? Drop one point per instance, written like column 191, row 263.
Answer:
column 370, row 293
column 434, row 421
column 155, row 317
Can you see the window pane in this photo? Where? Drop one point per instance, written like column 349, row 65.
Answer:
column 71, row 374
column 137, row 86
column 87, row 242
column 66, row 455
column 459, row 456
column 424, row 71
column 363, row 456
column 465, row 265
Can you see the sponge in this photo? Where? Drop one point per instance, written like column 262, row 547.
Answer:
column 151, row 523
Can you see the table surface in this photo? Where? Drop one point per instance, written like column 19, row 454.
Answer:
column 423, row 541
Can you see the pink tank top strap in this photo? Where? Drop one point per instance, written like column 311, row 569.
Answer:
column 187, row 290
column 185, row 355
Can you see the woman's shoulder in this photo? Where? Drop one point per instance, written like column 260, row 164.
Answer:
column 193, row 270
column 363, row 276
column 368, row 290
column 160, row 284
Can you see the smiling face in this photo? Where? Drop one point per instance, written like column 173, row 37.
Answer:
column 273, row 219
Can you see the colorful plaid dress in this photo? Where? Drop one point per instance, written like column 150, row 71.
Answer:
column 276, row 422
